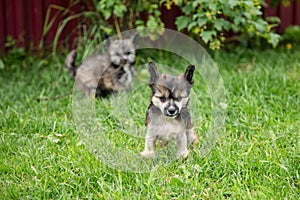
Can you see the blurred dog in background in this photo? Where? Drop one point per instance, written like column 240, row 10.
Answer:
column 100, row 75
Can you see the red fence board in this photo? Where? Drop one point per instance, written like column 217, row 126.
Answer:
column 168, row 17
column 19, row 21
column 9, row 17
column 2, row 25
column 269, row 11
column 286, row 14
column 24, row 20
column 56, row 9
column 37, row 20
column 297, row 14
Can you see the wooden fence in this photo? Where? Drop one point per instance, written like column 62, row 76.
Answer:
column 34, row 23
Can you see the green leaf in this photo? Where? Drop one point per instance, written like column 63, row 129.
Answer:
column 226, row 25
column 119, row 10
column 219, row 23
column 188, row 9
column 199, row 15
column 182, row 22
column 260, row 25
column 109, row 3
column 207, row 35
column 151, row 22
column 212, row 6
column 238, row 20
column 139, row 22
column 274, row 39
column 191, row 25
column 201, row 21
column 106, row 13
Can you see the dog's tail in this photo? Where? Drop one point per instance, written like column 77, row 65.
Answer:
column 70, row 63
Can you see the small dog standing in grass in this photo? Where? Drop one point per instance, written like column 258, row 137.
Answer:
column 168, row 115
column 103, row 74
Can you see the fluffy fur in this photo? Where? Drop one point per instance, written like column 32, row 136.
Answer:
column 168, row 115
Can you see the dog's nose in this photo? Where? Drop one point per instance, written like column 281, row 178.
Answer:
column 172, row 110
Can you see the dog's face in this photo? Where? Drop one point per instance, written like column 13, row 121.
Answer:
column 170, row 93
column 122, row 50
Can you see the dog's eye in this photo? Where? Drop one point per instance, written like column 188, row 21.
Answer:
column 178, row 98
column 162, row 99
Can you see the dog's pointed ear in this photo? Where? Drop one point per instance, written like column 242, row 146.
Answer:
column 108, row 40
column 134, row 38
column 153, row 72
column 189, row 72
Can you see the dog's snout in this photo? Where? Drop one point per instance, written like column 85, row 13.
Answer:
column 171, row 110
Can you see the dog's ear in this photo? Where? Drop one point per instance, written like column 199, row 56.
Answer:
column 134, row 38
column 153, row 73
column 108, row 40
column 189, row 72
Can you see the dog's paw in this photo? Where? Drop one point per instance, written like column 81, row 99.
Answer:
column 195, row 140
column 148, row 154
column 183, row 155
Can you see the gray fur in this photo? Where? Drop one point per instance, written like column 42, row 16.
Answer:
column 168, row 115
column 103, row 74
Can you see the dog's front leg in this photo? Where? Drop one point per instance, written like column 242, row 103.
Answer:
column 192, row 137
column 149, row 151
column 182, row 146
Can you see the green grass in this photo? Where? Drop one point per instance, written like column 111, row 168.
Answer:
column 257, row 157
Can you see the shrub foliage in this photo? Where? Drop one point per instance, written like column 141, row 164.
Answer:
column 205, row 19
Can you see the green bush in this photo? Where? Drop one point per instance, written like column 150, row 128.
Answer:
column 210, row 19
column 131, row 14
column 292, row 35
column 205, row 19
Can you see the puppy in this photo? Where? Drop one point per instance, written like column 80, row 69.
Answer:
column 100, row 75
column 168, row 115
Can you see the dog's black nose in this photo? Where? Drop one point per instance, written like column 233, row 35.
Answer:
column 172, row 110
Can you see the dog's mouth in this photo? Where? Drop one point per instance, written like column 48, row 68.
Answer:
column 171, row 116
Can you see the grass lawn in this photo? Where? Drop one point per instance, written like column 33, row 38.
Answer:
column 257, row 157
